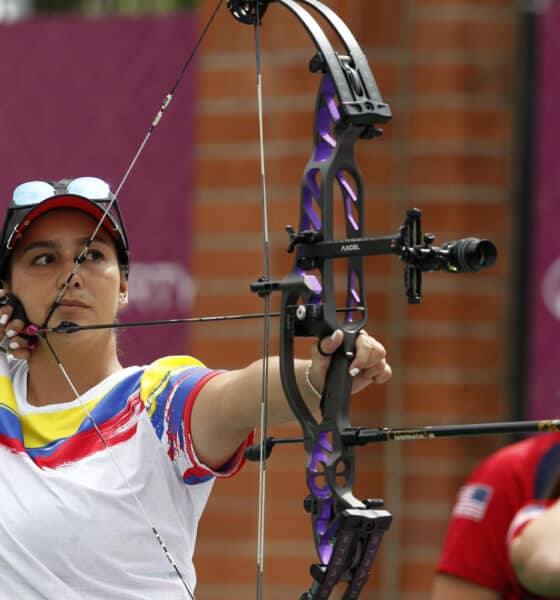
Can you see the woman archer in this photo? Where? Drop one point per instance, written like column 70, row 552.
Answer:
column 80, row 462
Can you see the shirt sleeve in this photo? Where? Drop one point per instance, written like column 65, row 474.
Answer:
column 475, row 544
column 527, row 513
column 169, row 389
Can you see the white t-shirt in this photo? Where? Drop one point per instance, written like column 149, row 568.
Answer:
column 70, row 528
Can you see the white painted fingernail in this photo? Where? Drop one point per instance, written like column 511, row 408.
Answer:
column 355, row 371
column 13, row 345
column 3, row 319
column 333, row 335
column 11, row 333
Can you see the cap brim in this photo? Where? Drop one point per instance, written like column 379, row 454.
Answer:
column 64, row 201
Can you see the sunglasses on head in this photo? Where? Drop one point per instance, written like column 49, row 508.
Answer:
column 31, row 193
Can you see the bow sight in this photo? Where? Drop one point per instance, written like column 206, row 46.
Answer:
column 349, row 107
column 415, row 250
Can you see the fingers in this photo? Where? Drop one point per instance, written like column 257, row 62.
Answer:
column 16, row 343
column 327, row 345
column 17, row 338
column 369, row 354
column 370, row 361
column 368, row 366
column 370, row 358
column 382, row 373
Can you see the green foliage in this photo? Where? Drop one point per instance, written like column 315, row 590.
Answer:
column 112, row 6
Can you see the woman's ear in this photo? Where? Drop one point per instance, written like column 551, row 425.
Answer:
column 123, row 292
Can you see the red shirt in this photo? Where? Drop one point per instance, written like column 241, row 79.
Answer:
column 475, row 546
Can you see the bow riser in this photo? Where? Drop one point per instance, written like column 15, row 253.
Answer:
column 333, row 166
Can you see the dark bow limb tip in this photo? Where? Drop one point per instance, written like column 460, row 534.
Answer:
column 249, row 12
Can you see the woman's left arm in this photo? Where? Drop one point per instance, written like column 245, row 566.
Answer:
column 228, row 406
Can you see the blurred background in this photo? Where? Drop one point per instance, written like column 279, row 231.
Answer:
column 474, row 92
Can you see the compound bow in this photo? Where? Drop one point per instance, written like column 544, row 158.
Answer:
column 349, row 107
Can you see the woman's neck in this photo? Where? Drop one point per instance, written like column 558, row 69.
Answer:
column 86, row 362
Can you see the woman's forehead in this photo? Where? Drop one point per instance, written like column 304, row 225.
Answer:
column 64, row 221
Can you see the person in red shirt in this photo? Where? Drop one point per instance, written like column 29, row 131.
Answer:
column 503, row 540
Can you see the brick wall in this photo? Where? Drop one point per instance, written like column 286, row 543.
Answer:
column 446, row 67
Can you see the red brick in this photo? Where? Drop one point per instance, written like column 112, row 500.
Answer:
column 470, row 80
column 466, row 218
column 478, row 35
column 467, row 402
column 455, row 168
column 464, row 352
column 416, row 578
column 441, row 124
column 461, row 306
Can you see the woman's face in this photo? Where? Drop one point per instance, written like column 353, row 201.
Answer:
column 44, row 258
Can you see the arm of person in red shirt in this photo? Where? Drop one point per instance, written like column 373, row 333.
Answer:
column 474, row 564
column 534, row 548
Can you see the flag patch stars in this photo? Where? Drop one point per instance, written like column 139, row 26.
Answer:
column 472, row 501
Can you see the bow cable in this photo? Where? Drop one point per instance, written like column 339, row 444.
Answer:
column 118, row 467
column 166, row 102
column 82, row 257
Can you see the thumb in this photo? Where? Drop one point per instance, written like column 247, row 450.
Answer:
column 328, row 344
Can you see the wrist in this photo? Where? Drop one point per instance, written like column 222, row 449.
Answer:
column 310, row 386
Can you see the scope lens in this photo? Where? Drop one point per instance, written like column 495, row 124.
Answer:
column 474, row 254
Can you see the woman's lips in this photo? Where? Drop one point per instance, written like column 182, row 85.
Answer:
column 72, row 305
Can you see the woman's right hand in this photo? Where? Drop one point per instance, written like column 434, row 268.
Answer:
column 16, row 332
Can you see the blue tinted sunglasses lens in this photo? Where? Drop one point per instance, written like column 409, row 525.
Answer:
column 89, row 187
column 32, row 192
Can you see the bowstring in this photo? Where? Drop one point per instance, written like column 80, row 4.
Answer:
column 77, row 264
column 263, row 423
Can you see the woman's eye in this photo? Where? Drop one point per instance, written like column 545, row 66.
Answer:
column 43, row 259
column 94, row 255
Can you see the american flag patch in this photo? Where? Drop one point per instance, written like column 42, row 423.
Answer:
column 472, row 501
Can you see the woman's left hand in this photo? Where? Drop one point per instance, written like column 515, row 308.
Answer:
column 368, row 366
